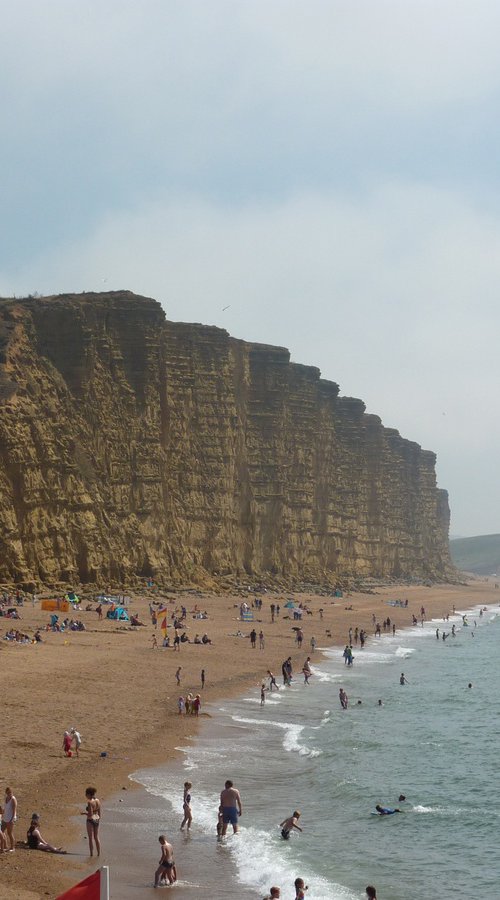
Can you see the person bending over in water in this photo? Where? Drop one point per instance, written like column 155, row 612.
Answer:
column 166, row 870
column 386, row 810
column 287, row 825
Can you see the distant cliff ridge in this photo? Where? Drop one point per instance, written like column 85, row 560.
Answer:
column 130, row 445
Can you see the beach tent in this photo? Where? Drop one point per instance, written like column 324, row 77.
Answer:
column 119, row 613
column 51, row 605
column 290, row 605
column 72, row 597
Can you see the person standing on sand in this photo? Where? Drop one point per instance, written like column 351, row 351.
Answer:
column 178, row 675
column 67, row 741
column 9, row 819
column 261, row 640
column 76, row 736
column 253, row 638
column 186, row 806
column 93, row 813
column 313, row 644
column 202, row 678
column 230, row 802
column 166, row 870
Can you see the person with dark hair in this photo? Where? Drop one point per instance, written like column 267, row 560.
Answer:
column 35, row 840
column 166, row 872
column 287, row 825
column 230, row 802
column 371, row 893
column 300, row 889
column 93, row 813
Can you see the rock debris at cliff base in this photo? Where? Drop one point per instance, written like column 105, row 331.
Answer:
column 134, row 446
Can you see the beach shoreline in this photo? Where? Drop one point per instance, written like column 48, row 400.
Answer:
column 148, row 731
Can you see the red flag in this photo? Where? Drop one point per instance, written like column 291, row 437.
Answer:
column 88, row 889
column 164, row 625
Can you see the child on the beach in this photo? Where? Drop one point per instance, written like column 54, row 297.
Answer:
column 67, row 741
column 76, row 736
column 181, row 704
column 262, row 694
column 186, row 805
column 220, row 823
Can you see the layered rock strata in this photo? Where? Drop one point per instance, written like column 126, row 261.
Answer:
column 131, row 445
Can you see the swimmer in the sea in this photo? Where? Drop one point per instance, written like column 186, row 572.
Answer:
column 287, row 825
column 403, row 679
column 386, row 810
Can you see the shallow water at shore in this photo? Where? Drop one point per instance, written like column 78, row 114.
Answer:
column 434, row 740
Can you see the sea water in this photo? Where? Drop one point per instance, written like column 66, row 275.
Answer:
column 435, row 740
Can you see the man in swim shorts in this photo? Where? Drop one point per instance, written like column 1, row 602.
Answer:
column 166, row 870
column 386, row 810
column 289, row 824
column 230, row 802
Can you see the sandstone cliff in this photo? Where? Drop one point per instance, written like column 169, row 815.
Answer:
column 130, row 445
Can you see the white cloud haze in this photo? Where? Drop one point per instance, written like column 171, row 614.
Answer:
column 328, row 170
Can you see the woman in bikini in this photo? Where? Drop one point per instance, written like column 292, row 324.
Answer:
column 93, row 813
column 186, row 806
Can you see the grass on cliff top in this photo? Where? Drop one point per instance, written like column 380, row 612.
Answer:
column 480, row 554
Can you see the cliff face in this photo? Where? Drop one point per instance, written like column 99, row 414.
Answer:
column 130, row 445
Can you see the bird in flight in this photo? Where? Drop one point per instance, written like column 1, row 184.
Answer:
column 225, row 307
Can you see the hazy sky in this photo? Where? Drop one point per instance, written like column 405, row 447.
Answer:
column 328, row 170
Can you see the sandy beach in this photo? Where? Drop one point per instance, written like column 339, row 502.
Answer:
column 121, row 695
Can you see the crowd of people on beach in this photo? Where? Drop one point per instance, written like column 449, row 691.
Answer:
column 230, row 806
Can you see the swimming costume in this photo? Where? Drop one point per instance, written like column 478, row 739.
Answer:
column 229, row 815
column 285, row 834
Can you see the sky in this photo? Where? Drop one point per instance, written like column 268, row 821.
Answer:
column 327, row 170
